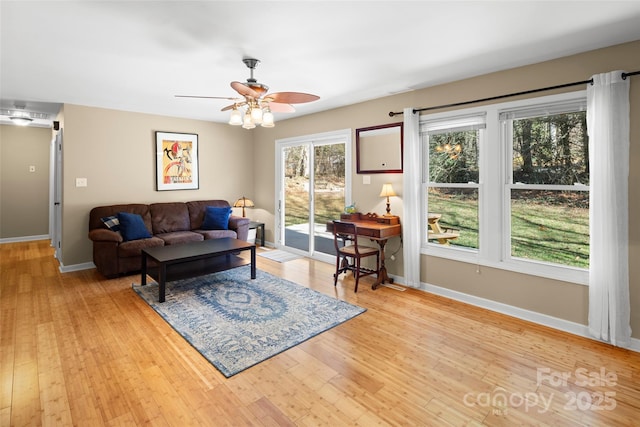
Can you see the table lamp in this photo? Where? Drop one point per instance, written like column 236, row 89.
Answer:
column 243, row 202
column 387, row 191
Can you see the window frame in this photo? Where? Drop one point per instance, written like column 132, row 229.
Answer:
column 495, row 172
column 458, row 123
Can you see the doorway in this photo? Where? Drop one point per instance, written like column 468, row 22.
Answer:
column 313, row 187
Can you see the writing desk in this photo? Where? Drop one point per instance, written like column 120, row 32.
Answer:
column 376, row 228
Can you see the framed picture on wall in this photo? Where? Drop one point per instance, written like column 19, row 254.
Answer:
column 176, row 161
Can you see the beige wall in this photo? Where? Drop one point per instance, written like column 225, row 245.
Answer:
column 558, row 299
column 24, row 195
column 115, row 151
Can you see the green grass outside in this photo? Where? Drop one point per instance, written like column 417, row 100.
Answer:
column 329, row 202
column 540, row 230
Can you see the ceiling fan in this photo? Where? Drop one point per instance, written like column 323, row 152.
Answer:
column 257, row 104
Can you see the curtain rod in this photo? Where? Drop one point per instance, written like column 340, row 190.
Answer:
column 526, row 92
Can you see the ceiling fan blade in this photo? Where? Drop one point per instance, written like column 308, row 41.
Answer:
column 278, row 107
column 292, row 97
column 206, row 97
column 244, row 90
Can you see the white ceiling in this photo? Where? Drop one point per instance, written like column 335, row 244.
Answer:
column 135, row 56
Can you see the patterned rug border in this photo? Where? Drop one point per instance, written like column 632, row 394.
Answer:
column 149, row 294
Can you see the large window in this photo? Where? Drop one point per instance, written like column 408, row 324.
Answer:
column 451, row 180
column 548, row 188
column 511, row 183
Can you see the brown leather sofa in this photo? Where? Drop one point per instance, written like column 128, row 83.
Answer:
column 167, row 223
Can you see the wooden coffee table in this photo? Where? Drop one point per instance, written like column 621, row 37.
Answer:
column 183, row 261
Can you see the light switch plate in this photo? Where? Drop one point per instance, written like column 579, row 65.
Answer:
column 366, row 179
column 81, row 182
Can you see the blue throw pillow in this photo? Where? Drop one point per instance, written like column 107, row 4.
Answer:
column 132, row 227
column 216, row 218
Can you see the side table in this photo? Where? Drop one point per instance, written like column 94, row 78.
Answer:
column 254, row 225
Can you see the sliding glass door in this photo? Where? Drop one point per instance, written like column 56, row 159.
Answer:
column 312, row 190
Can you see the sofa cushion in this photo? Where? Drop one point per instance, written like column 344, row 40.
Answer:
column 132, row 227
column 133, row 248
column 216, row 218
column 178, row 237
column 217, row 234
column 169, row 217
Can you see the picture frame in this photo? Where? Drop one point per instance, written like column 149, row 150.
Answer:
column 176, row 161
column 379, row 149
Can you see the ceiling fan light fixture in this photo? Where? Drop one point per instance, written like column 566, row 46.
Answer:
column 247, row 122
column 256, row 115
column 236, row 117
column 267, row 119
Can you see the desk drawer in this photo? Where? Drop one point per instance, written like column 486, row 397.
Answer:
column 384, row 232
column 368, row 232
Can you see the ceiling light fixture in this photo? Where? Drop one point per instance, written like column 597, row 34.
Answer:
column 267, row 118
column 21, row 119
column 250, row 116
column 236, row 117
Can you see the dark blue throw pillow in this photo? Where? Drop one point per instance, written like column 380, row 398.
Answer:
column 132, row 227
column 216, row 218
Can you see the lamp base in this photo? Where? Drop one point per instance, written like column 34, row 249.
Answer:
column 388, row 208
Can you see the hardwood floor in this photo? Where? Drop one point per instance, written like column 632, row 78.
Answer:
column 77, row 349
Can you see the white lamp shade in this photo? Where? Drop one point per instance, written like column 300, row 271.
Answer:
column 267, row 119
column 248, row 123
column 387, row 191
column 256, row 115
column 236, row 118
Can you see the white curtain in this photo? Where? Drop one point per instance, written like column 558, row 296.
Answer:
column 608, row 127
column 411, row 198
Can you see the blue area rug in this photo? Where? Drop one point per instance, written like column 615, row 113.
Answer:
column 236, row 322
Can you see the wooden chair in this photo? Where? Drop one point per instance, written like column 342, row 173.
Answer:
column 344, row 232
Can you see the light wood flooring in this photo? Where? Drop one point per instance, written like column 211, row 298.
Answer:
column 77, row 349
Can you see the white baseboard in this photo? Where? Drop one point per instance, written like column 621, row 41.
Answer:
column 24, row 239
column 520, row 313
column 76, row 267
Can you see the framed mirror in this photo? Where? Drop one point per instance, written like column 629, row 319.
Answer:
column 379, row 149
